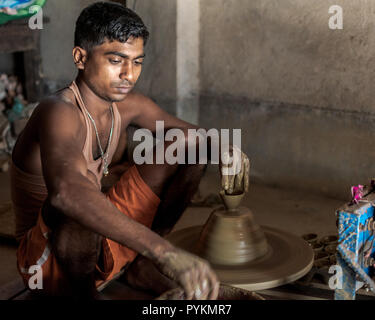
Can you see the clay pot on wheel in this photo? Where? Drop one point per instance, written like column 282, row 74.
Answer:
column 230, row 235
column 243, row 254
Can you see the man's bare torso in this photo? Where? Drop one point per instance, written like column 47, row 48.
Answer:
column 26, row 154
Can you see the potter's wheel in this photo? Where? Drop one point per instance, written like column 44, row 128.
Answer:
column 287, row 259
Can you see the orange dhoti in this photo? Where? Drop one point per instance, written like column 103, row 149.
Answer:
column 131, row 195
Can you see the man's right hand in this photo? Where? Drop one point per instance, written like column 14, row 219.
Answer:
column 192, row 273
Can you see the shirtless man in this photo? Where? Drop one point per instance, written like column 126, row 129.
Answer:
column 78, row 236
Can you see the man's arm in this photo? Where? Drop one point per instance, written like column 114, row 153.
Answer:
column 72, row 192
column 148, row 112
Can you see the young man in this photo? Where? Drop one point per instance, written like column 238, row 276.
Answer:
column 76, row 235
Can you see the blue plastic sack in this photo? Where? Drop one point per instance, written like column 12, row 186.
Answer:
column 16, row 4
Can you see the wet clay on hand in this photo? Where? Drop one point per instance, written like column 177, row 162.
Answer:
column 235, row 183
column 192, row 273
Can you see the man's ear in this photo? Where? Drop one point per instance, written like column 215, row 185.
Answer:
column 79, row 57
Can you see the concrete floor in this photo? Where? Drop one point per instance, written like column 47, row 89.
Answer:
column 295, row 211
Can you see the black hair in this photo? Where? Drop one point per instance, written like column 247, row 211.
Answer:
column 107, row 21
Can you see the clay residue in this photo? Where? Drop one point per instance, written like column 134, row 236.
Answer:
column 225, row 293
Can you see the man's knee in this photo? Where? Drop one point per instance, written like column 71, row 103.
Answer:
column 194, row 169
column 199, row 169
column 76, row 249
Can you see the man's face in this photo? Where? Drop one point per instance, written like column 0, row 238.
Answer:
column 113, row 68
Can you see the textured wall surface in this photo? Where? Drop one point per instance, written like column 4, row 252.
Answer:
column 302, row 93
column 58, row 39
column 299, row 147
column 187, row 61
column 284, row 51
column 158, row 79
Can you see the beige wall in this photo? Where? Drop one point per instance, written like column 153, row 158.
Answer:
column 58, row 39
column 283, row 50
column 303, row 94
column 158, row 79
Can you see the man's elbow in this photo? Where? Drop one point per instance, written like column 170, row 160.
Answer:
column 60, row 196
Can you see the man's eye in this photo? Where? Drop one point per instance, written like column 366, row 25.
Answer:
column 114, row 61
column 138, row 62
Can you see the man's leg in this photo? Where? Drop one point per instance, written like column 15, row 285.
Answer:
column 77, row 251
column 175, row 185
column 176, row 197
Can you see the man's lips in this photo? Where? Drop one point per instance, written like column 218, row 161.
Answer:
column 124, row 89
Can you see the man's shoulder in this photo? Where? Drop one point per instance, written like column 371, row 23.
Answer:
column 57, row 104
column 60, row 117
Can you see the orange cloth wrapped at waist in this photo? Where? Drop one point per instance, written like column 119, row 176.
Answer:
column 131, row 195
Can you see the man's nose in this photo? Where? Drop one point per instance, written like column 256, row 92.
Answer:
column 127, row 73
